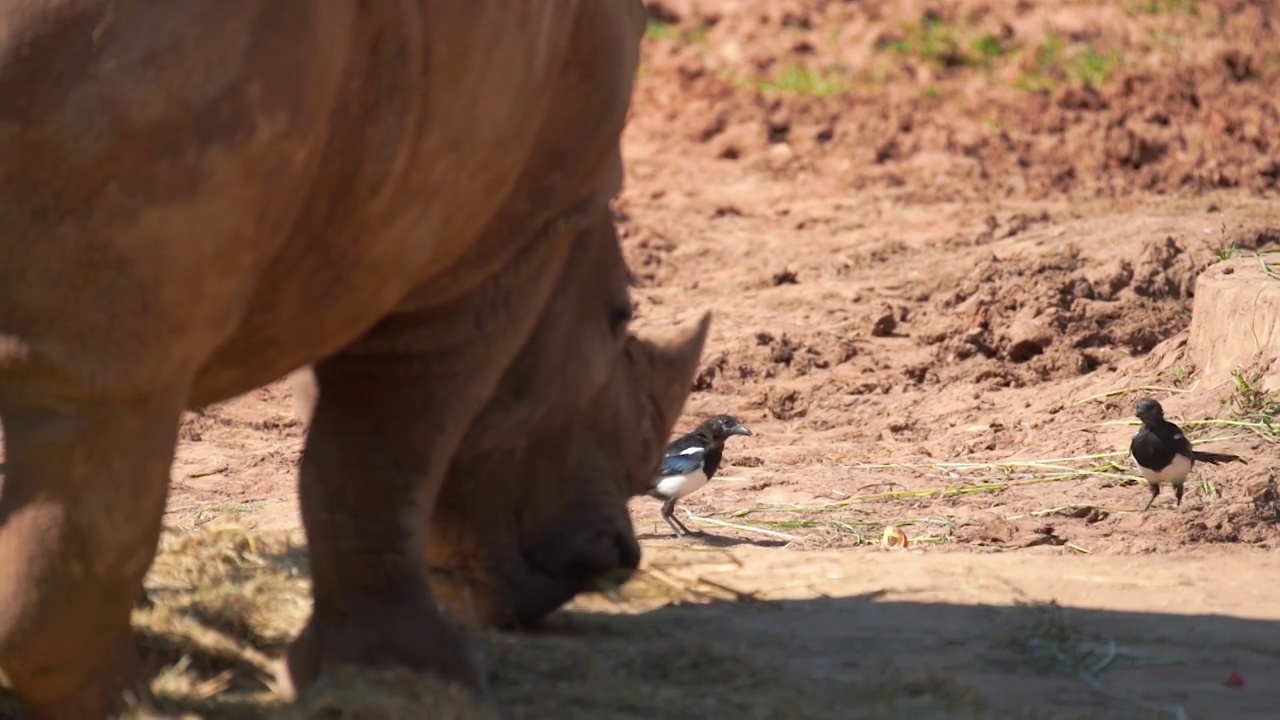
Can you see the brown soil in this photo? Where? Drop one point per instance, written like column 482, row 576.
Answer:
column 931, row 233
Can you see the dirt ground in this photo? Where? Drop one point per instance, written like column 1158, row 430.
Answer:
column 947, row 246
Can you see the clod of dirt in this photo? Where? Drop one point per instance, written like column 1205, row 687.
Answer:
column 737, row 141
column 847, row 350
column 1266, row 498
column 780, row 156
column 787, row 406
column 1082, row 97
column 1108, row 280
column 787, row 353
column 885, row 323
column 1044, row 535
column 1027, row 335
column 1239, row 64
column 997, row 531
column 706, row 377
column 784, row 351
column 1164, row 270
column 785, row 277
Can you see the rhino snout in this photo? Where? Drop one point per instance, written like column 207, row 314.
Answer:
column 588, row 561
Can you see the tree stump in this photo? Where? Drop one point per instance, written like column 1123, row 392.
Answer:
column 1235, row 321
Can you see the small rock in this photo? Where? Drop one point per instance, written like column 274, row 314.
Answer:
column 785, row 277
column 780, row 155
column 1027, row 336
column 737, row 141
column 885, row 323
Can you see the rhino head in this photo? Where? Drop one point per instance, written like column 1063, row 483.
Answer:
column 522, row 527
column 534, row 508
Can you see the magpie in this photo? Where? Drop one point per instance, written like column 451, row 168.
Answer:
column 690, row 462
column 1164, row 454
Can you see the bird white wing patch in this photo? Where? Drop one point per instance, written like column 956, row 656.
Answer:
column 691, row 451
column 679, row 486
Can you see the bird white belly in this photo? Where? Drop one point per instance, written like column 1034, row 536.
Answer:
column 678, row 486
column 1173, row 473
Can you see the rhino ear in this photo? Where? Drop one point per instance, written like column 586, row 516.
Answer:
column 675, row 362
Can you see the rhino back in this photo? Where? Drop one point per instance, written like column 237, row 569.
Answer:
column 241, row 188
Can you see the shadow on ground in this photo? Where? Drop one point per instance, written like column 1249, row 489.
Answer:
column 728, row 643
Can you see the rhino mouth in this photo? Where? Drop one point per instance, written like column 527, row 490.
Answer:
column 546, row 591
column 519, row 595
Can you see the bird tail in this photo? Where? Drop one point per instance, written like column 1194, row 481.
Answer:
column 1217, row 458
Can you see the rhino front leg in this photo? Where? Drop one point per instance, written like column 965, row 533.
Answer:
column 386, row 415
column 80, row 517
column 379, row 440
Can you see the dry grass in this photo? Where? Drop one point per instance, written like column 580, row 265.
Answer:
column 857, row 520
column 225, row 603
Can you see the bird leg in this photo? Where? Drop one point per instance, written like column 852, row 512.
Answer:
column 1177, row 493
column 668, row 510
column 1155, row 492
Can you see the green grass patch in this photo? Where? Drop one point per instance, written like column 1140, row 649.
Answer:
column 657, row 30
column 988, row 48
column 671, row 32
column 1226, row 252
column 1054, row 64
column 796, row 80
column 941, row 45
column 1161, row 7
column 931, row 40
column 1253, row 407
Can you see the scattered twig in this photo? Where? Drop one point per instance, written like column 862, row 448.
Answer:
column 744, row 528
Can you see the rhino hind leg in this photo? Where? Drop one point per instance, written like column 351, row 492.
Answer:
column 80, row 517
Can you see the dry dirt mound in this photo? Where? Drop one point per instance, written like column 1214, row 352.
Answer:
column 1061, row 316
column 974, row 98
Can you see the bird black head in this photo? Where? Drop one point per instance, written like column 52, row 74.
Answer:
column 720, row 427
column 1149, row 411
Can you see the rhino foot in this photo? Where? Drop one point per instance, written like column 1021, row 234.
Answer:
column 99, row 696
column 412, row 636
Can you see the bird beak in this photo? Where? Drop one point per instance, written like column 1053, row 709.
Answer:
column 741, row 430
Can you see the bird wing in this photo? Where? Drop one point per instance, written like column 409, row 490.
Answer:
column 1182, row 444
column 682, row 460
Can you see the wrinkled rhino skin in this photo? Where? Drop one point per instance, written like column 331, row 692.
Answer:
column 198, row 198
column 595, row 438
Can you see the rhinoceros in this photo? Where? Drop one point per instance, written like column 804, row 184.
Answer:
column 199, row 198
